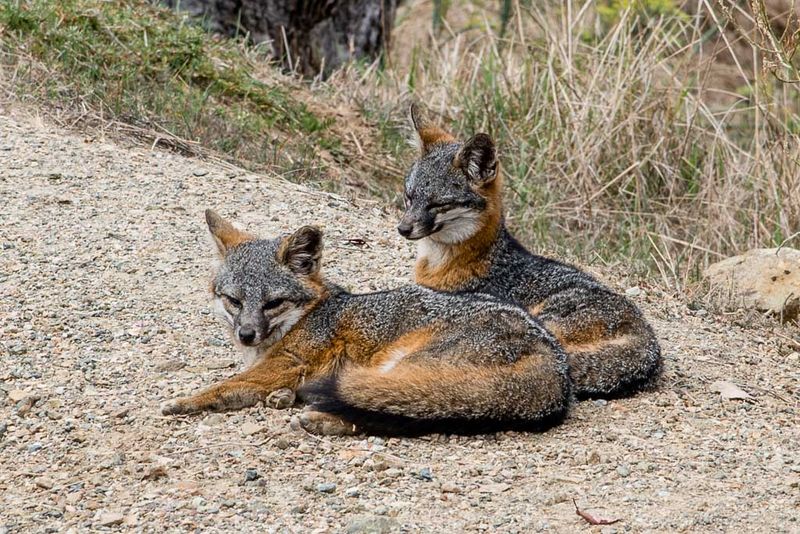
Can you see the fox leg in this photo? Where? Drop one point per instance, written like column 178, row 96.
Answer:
column 268, row 381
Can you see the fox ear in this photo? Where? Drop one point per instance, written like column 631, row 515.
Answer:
column 478, row 159
column 302, row 250
column 429, row 134
column 225, row 235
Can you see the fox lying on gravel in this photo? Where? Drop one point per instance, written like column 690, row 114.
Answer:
column 454, row 209
column 406, row 361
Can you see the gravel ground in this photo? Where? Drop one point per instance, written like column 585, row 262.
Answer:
column 104, row 268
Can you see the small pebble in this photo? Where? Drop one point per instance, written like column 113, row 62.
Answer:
column 250, row 475
column 449, row 487
column 170, row 365
column 111, row 519
column 44, row 482
column 425, row 474
column 214, row 419
column 249, row 428
column 326, row 487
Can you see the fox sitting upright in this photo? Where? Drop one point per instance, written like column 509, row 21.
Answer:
column 406, row 361
column 454, row 209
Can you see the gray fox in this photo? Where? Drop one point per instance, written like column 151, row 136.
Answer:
column 454, row 210
column 406, row 361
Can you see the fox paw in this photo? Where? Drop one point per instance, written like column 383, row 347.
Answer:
column 323, row 424
column 175, row 407
column 280, row 399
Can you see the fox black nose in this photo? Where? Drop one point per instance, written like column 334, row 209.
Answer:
column 246, row 335
column 404, row 229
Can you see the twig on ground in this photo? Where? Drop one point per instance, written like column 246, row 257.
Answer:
column 591, row 519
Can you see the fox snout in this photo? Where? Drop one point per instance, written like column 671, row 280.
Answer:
column 416, row 226
column 251, row 335
column 247, row 335
column 405, row 228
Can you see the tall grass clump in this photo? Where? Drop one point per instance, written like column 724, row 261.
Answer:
column 613, row 144
column 150, row 73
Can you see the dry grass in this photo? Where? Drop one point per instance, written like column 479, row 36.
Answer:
column 662, row 138
column 619, row 140
column 154, row 75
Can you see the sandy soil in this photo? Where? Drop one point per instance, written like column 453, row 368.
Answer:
column 104, row 267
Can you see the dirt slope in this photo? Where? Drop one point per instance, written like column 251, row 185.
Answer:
column 103, row 315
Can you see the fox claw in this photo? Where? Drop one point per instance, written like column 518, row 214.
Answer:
column 280, row 399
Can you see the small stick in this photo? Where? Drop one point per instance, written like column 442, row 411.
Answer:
column 591, row 519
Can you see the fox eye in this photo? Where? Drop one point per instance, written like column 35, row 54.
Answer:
column 440, row 206
column 272, row 304
column 232, row 301
column 407, row 200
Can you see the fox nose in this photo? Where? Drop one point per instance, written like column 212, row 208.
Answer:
column 246, row 335
column 405, row 229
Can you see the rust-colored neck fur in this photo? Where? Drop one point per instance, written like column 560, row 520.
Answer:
column 462, row 262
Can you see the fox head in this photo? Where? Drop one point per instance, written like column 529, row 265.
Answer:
column 450, row 185
column 263, row 287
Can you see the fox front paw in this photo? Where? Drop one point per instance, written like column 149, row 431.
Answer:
column 281, row 399
column 177, row 407
column 322, row 423
column 170, row 408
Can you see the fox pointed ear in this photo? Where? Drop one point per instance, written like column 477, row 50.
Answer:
column 478, row 159
column 225, row 235
column 429, row 134
column 302, row 250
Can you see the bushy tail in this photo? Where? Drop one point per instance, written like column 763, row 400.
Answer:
column 616, row 367
column 532, row 394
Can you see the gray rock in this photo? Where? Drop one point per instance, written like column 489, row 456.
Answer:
column 424, row 474
column 326, row 487
column 634, row 291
